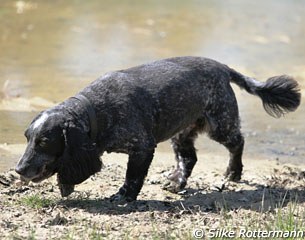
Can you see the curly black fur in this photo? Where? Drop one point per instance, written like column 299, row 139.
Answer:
column 280, row 95
column 137, row 108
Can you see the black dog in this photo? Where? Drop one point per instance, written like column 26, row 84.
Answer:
column 130, row 111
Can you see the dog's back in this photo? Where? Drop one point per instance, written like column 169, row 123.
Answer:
column 173, row 92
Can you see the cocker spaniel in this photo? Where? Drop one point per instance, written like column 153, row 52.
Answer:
column 130, row 111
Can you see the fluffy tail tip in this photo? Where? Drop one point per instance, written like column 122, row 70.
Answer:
column 280, row 95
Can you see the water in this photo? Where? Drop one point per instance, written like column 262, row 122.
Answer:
column 52, row 49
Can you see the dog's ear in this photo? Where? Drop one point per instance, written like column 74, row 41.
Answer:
column 80, row 158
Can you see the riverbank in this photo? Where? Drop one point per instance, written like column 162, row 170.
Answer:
column 269, row 197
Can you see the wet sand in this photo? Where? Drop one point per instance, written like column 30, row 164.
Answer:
column 209, row 202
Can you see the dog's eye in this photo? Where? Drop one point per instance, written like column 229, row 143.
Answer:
column 42, row 142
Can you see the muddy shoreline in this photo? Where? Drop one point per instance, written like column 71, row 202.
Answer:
column 38, row 211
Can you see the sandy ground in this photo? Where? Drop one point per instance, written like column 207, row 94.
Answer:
column 208, row 202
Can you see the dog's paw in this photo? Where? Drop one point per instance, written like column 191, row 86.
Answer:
column 232, row 175
column 175, row 183
column 117, row 198
column 173, row 186
column 122, row 197
column 65, row 189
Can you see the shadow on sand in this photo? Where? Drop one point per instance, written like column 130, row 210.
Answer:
column 260, row 199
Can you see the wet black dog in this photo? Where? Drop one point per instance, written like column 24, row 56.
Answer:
column 130, row 111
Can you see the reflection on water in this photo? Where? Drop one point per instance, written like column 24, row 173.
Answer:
column 52, row 49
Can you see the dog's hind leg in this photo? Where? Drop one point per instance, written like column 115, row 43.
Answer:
column 185, row 152
column 226, row 131
column 235, row 146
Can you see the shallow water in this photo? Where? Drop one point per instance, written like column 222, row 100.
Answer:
column 52, row 49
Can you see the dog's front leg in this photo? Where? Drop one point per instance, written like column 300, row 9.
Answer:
column 137, row 169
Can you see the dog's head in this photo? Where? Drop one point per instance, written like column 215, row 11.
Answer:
column 57, row 145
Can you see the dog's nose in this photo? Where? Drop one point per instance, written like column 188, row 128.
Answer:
column 19, row 169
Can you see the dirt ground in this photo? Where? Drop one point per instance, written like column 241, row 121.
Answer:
column 36, row 211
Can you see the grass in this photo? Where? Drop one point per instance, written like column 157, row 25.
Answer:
column 288, row 215
column 288, row 218
column 37, row 202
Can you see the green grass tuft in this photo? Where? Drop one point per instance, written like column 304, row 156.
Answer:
column 37, row 202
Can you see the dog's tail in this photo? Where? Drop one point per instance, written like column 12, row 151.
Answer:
column 280, row 94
